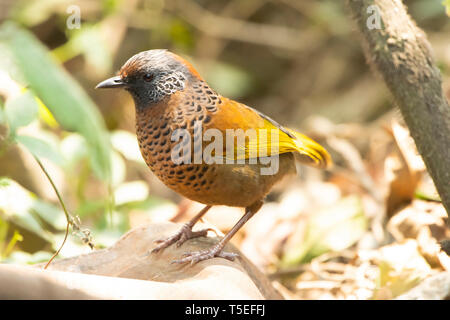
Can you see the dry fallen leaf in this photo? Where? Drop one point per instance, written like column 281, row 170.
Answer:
column 403, row 169
column 401, row 267
column 425, row 222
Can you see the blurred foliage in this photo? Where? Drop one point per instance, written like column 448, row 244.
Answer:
column 333, row 229
column 446, row 3
column 297, row 61
column 63, row 97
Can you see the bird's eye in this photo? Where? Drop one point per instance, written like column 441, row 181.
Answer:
column 148, row 77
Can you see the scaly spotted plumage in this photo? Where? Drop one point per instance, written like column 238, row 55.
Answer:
column 169, row 94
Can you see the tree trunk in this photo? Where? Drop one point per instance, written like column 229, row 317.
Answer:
column 400, row 52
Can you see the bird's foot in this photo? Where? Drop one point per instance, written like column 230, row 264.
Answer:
column 185, row 233
column 197, row 256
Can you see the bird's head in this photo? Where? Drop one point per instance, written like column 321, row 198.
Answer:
column 150, row 76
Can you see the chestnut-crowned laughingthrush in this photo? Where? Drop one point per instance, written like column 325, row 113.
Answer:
column 169, row 94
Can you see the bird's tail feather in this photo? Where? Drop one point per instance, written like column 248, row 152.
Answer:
column 286, row 140
column 310, row 152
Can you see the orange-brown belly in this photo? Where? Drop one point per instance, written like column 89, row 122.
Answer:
column 238, row 185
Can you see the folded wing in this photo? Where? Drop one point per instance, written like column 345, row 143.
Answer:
column 257, row 135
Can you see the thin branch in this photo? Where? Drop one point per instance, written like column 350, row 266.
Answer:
column 68, row 218
column 241, row 30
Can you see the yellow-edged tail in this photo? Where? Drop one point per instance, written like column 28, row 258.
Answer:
column 315, row 154
column 263, row 143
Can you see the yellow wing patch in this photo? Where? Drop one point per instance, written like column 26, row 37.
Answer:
column 256, row 135
column 270, row 140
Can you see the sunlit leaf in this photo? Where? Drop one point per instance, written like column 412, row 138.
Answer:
column 63, row 96
column 446, row 3
column 8, row 68
column 126, row 143
column 17, row 237
column 21, row 110
column 51, row 214
column 40, row 148
column 131, row 192
column 74, row 147
column 118, row 169
column 16, row 203
column 46, row 115
column 89, row 42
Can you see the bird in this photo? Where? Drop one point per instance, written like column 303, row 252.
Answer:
column 171, row 96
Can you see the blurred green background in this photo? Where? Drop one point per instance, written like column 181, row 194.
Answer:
column 300, row 62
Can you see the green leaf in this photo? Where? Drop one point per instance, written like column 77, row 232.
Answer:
column 62, row 95
column 40, row 148
column 51, row 214
column 15, row 204
column 21, row 110
column 89, row 42
column 17, row 237
column 446, row 3
column 74, row 148
column 9, row 68
column 89, row 207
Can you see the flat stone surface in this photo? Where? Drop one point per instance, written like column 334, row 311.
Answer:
column 130, row 258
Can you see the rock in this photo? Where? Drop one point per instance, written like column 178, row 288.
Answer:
column 130, row 258
column 20, row 282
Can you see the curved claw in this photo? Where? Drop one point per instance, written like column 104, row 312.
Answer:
column 229, row 255
column 184, row 234
column 156, row 249
column 187, row 254
column 197, row 256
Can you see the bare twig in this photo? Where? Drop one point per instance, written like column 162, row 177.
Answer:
column 68, row 218
column 242, row 10
column 240, row 30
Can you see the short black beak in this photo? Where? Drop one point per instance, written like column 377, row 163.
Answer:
column 114, row 82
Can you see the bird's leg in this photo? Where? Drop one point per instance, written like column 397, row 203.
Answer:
column 216, row 251
column 185, row 233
